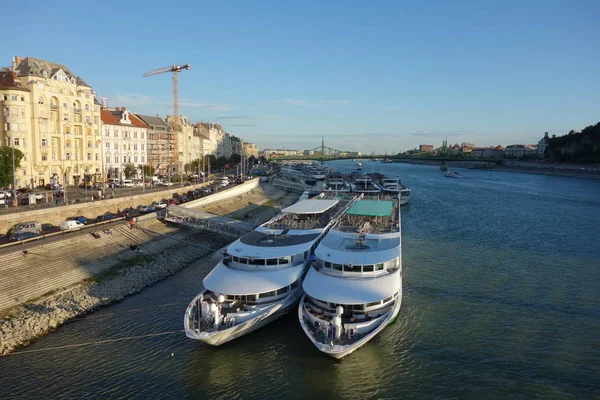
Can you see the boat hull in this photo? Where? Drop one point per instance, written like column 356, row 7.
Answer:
column 338, row 352
column 217, row 338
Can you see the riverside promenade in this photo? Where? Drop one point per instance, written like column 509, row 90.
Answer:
column 47, row 267
column 55, row 282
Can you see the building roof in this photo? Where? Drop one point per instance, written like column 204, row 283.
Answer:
column 9, row 80
column 226, row 280
column 113, row 117
column 36, row 67
column 371, row 208
column 151, row 120
column 346, row 290
column 310, row 206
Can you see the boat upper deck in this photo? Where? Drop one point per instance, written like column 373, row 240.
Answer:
column 371, row 216
column 307, row 214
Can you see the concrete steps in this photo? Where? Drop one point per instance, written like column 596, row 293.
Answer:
column 60, row 264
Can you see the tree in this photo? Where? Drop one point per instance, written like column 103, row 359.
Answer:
column 235, row 158
column 129, row 170
column 6, row 164
column 147, row 170
column 262, row 159
column 252, row 160
column 196, row 166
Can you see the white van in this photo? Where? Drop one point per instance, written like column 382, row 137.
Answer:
column 127, row 183
column 71, row 225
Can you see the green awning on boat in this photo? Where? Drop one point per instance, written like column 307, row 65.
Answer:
column 371, row 208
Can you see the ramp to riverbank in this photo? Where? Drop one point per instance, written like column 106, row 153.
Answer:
column 207, row 221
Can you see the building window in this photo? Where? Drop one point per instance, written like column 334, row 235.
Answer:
column 143, row 159
column 15, row 141
column 44, row 142
column 68, row 156
column 116, row 146
column 87, row 119
column 44, row 157
column 135, row 158
column 89, row 156
column 108, row 159
column 89, row 144
column 142, row 135
column 68, row 143
column 53, row 142
column 142, row 147
column 97, row 157
column 14, row 97
column 24, row 171
column 53, row 156
column 65, row 105
column 135, row 134
column 135, row 146
column 87, row 107
column 124, row 159
column 116, row 134
column 106, row 132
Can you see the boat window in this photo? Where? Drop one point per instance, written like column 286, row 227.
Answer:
column 282, row 290
column 388, row 299
column 306, row 254
column 378, row 267
column 284, row 260
column 271, row 261
column 327, row 264
column 266, row 294
column 242, row 260
column 367, row 268
column 375, row 303
column 230, row 297
column 295, row 284
column 337, row 267
column 234, row 259
column 256, row 261
column 352, row 268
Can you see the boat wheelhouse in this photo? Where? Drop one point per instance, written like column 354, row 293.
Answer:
column 335, row 183
column 260, row 277
column 393, row 186
column 361, row 183
column 354, row 288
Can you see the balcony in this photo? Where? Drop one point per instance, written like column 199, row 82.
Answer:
column 53, row 107
column 77, row 110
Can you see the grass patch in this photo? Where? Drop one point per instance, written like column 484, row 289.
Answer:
column 270, row 203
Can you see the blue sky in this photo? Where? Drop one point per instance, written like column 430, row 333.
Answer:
column 369, row 76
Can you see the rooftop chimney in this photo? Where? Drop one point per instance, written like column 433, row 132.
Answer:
column 16, row 61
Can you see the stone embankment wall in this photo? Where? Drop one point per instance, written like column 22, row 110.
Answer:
column 55, row 215
column 28, row 322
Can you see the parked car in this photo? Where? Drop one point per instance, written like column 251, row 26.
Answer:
column 31, row 226
column 22, row 236
column 70, row 225
column 187, row 184
column 175, row 195
column 183, row 198
column 105, row 217
column 79, row 218
column 173, row 201
column 130, row 212
column 159, row 204
column 166, row 183
column 146, row 209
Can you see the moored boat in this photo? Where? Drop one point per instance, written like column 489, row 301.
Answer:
column 354, row 288
column 259, row 279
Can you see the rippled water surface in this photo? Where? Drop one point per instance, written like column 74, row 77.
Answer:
column 501, row 299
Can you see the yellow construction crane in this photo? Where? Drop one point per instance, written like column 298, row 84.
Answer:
column 175, row 69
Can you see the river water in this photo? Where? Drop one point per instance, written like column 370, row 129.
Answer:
column 501, row 299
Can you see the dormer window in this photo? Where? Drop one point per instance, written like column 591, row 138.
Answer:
column 125, row 118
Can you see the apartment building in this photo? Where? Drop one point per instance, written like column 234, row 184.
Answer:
column 53, row 117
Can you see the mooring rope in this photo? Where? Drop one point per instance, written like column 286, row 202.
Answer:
column 95, row 343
